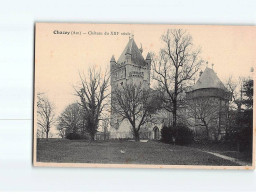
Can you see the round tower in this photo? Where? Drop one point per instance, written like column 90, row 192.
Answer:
column 207, row 106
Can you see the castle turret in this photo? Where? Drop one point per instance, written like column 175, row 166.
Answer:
column 112, row 63
column 148, row 60
column 208, row 102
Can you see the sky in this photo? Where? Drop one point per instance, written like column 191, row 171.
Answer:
column 60, row 57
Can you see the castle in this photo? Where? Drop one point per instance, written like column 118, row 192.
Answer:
column 131, row 67
column 208, row 103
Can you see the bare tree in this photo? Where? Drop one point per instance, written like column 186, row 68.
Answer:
column 71, row 120
column 175, row 67
column 236, row 89
column 134, row 103
column 93, row 96
column 45, row 114
column 203, row 111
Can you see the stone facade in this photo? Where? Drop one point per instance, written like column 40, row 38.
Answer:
column 131, row 67
column 208, row 103
column 208, row 95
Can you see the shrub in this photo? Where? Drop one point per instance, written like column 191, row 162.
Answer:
column 180, row 135
column 74, row 136
column 246, row 133
column 166, row 134
column 184, row 136
column 242, row 133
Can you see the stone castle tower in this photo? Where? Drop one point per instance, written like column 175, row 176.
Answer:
column 131, row 67
column 209, row 100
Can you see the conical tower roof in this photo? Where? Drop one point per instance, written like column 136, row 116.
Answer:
column 209, row 79
column 113, row 59
column 148, row 56
column 132, row 49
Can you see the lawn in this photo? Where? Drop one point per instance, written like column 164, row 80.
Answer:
column 226, row 149
column 123, row 152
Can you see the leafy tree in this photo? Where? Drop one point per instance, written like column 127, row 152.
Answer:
column 248, row 92
column 71, row 121
column 245, row 136
column 241, row 125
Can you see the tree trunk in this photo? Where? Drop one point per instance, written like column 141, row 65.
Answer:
column 47, row 134
column 208, row 132
column 174, row 114
column 207, row 129
column 175, row 98
column 136, row 135
column 92, row 137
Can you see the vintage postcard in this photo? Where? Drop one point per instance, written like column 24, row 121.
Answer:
column 144, row 96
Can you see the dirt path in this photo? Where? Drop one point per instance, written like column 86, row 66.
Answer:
column 234, row 160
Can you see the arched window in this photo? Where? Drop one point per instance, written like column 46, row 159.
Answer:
column 156, row 133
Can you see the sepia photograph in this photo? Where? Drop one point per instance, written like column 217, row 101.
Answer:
column 144, row 96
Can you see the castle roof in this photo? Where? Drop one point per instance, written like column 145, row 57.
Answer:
column 209, row 79
column 136, row 55
column 148, row 56
column 113, row 59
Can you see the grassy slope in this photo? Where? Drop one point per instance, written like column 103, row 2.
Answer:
column 58, row 150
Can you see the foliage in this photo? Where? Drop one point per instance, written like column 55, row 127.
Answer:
column 248, row 92
column 241, row 129
column 184, row 136
column 72, row 121
column 242, row 133
column 166, row 134
column 179, row 134
column 74, row 136
column 246, row 135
